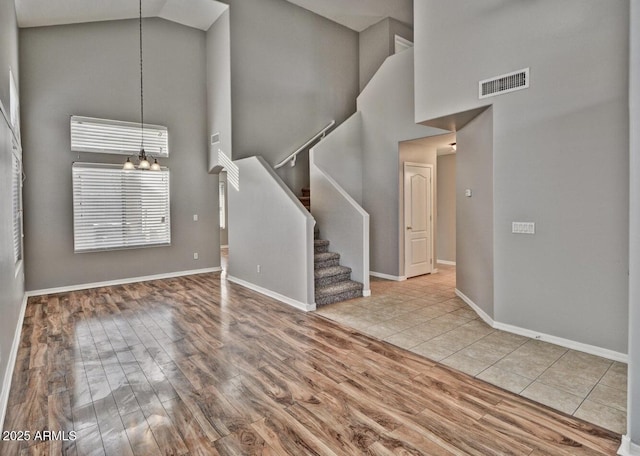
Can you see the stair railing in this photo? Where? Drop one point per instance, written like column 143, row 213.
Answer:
column 292, row 157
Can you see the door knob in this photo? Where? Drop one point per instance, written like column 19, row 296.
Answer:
column 408, row 227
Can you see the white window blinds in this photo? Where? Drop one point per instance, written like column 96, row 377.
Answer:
column 89, row 134
column 16, row 198
column 118, row 209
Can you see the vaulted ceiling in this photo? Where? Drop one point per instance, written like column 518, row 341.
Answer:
column 354, row 14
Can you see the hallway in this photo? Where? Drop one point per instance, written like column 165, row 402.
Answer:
column 424, row 316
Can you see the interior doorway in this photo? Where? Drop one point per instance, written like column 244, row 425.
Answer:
column 419, row 249
column 418, row 219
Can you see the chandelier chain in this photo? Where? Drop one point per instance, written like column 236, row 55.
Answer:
column 141, row 83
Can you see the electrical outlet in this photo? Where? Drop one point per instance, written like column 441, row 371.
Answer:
column 195, row 255
column 258, row 269
column 195, row 217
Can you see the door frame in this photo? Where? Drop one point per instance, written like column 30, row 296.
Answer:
column 431, row 215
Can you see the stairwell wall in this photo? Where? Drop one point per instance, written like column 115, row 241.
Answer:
column 340, row 156
column 271, row 243
column 293, row 71
column 387, row 107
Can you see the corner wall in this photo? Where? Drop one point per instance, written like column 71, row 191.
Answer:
column 376, row 43
column 93, row 70
column 560, row 151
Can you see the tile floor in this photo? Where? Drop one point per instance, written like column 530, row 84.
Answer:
column 425, row 316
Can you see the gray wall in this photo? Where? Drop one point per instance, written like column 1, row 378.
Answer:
column 11, row 276
column 423, row 150
column 387, row 119
column 446, row 226
column 224, row 233
column 8, row 48
column 92, row 70
column 633, row 390
column 560, row 151
column 340, row 155
column 376, row 43
column 11, row 281
column 277, row 237
column 474, row 215
column 218, row 50
column 292, row 72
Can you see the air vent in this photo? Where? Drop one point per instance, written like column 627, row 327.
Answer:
column 505, row 83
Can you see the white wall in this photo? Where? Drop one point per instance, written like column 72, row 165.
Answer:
column 92, row 69
column 446, row 232
column 560, row 151
column 387, row 119
column 272, row 230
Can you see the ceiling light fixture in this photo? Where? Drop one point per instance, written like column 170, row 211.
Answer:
column 142, row 157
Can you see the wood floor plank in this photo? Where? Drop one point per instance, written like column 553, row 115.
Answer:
column 200, row 366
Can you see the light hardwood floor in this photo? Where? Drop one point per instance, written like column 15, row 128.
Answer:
column 200, row 366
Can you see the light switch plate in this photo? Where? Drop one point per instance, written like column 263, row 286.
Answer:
column 523, row 227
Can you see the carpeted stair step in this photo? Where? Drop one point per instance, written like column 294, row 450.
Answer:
column 305, row 200
column 320, row 246
column 338, row 292
column 326, row 259
column 331, row 275
column 306, row 191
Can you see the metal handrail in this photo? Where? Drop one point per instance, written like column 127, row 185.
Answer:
column 292, row 157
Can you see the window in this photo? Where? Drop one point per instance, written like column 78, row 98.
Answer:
column 222, row 205
column 116, row 137
column 16, row 198
column 119, row 209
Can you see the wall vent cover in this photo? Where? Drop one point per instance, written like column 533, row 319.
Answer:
column 505, row 83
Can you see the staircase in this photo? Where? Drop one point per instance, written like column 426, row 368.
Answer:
column 332, row 282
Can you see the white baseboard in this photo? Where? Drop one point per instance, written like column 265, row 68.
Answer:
column 481, row 313
column 628, row 448
column 567, row 343
column 272, row 294
column 366, row 293
column 447, row 262
column 110, row 283
column 380, row 275
column 11, row 364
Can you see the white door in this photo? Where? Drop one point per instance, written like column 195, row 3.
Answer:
column 418, row 217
